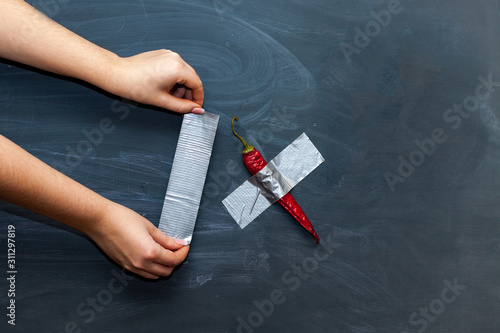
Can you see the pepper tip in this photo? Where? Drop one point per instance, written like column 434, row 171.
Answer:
column 316, row 237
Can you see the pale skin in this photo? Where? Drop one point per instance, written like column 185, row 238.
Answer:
column 160, row 78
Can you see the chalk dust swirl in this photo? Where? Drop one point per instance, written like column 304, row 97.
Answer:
column 245, row 72
column 242, row 68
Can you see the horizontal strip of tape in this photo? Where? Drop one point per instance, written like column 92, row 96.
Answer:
column 187, row 178
column 275, row 180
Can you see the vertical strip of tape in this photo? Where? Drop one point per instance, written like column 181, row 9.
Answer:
column 187, row 178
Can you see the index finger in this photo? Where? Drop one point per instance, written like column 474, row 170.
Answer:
column 172, row 258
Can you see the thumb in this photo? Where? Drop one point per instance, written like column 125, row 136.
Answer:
column 176, row 104
column 167, row 242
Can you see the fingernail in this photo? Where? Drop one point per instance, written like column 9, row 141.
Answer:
column 181, row 242
column 198, row 111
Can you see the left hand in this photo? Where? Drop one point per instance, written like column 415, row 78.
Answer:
column 160, row 78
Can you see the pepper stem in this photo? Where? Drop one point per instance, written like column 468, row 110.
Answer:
column 246, row 147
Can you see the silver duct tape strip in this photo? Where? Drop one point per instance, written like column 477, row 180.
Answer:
column 187, row 178
column 275, row 180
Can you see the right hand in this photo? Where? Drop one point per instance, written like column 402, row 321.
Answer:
column 136, row 244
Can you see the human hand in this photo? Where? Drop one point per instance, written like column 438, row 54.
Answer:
column 136, row 244
column 160, row 78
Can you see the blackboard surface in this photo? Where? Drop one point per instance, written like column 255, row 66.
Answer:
column 401, row 98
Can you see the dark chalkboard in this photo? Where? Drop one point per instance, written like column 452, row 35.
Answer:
column 401, row 98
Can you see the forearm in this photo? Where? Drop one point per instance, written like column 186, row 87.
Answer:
column 27, row 36
column 160, row 78
column 28, row 182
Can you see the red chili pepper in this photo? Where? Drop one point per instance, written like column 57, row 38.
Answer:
column 254, row 162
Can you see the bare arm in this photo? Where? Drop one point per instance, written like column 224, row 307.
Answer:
column 128, row 238
column 159, row 78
